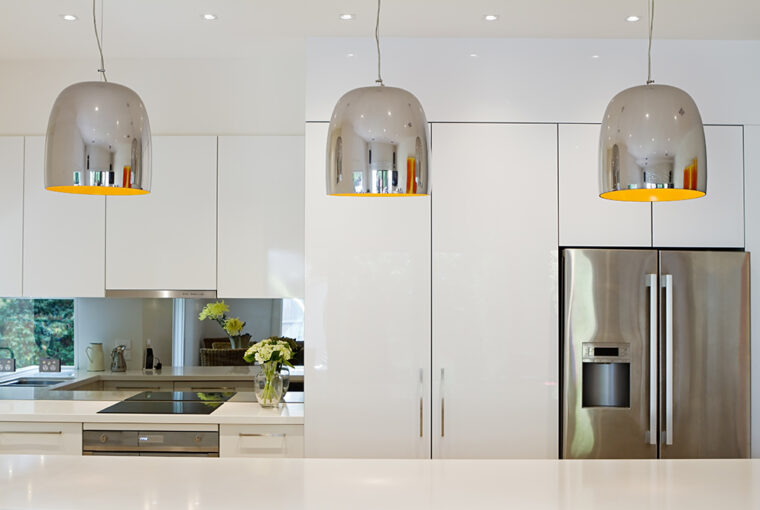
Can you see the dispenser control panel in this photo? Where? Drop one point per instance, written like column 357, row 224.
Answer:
column 606, row 352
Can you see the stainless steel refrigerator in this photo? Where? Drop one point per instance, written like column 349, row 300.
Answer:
column 655, row 354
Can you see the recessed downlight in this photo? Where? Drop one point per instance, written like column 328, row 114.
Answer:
column 473, row 55
column 346, row 17
column 210, row 17
column 350, row 54
column 632, row 18
column 69, row 17
column 491, row 17
column 594, row 56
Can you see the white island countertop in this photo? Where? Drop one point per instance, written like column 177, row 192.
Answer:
column 84, row 483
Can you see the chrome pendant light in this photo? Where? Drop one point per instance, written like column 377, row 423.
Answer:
column 98, row 138
column 652, row 143
column 377, row 144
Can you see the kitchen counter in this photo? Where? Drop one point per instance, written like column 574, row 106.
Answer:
column 83, row 483
column 244, row 411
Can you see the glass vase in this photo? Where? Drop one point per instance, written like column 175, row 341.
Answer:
column 239, row 341
column 285, row 376
column 268, row 385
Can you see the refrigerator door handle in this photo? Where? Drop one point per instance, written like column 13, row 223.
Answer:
column 651, row 282
column 667, row 284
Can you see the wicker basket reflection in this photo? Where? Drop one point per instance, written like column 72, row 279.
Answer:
column 222, row 357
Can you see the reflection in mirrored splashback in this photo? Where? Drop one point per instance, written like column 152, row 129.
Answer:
column 207, row 343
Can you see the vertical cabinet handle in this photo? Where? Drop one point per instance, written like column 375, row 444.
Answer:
column 443, row 406
column 651, row 282
column 667, row 284
column 422, row 386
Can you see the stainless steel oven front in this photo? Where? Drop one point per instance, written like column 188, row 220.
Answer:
column 148, row 442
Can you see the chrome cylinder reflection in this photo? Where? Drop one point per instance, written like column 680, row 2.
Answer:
column 378, row 144
column 652, row 146
column 98, row 141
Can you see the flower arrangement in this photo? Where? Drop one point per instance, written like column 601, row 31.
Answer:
column 232, row 326
column 271, row 354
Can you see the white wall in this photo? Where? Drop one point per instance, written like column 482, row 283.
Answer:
column 262, row 95
column 117, row 321
column 535, row 80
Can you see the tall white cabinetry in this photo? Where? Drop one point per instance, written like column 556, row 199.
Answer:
column 11, row 214
column 717, row 219
column 64, row 235
column 586, row 219
column 367, row 320
column 713, row 221
column 495, row 318
column 167, row 239
column 261, row 215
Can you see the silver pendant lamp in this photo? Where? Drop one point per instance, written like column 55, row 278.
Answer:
column 98, row 138
column 652, row 143
column 377, row 144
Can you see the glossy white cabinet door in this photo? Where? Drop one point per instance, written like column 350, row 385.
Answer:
column 495, row 317
column 261, row 216
column 11, row 214
column 367, row 320
column 64, row 235
column 717, row 219
column 751, row 190
column 586, row 219
column 167, row 239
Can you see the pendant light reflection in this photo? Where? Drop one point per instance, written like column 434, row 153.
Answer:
column 377, row 144
column 652, row 144
column 98, row 139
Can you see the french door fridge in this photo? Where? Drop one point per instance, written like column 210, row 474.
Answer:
column 655, row 354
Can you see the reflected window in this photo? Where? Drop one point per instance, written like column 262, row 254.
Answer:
column 31, row 329
column 292, row 318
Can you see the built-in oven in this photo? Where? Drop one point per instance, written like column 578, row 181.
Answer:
column 147, row 442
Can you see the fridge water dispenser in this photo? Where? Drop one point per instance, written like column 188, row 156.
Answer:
column 606, row 378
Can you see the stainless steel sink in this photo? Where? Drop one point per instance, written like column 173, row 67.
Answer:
column 31, row 382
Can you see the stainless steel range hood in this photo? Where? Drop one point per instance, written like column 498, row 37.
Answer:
column 148, row 293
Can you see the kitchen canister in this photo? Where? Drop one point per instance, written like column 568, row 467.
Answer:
column 94, row 353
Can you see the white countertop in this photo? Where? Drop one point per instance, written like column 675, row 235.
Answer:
column 241, row 413
column 83, row 483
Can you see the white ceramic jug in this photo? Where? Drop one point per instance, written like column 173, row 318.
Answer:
column 94, row 353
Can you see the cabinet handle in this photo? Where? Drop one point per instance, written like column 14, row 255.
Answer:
column 33, row 432
column 422, row 379
column 214, row 388
column 273, row 434
column 667, row 284
column 138, row 388
column 443, row 407
column 652, row 284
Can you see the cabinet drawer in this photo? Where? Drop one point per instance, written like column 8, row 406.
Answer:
column 213, row 385
column 261, row 440
column 138, row 385
column 41, row 438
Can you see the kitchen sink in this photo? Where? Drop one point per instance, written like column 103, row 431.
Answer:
column 31, row 382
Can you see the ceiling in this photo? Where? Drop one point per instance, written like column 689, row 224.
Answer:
column 175, row 29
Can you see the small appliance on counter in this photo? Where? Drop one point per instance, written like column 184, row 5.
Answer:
column 94, row 353
column 118, row 363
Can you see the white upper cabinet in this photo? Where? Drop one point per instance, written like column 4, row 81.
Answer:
column 167, row 238
column 495, row 291
column 261, row 217
column 64, row 235
column 11, row 214
column 717, row 219
column 586, row 219
column 367, row 320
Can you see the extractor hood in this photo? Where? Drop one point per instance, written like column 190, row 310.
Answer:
column 152, row 293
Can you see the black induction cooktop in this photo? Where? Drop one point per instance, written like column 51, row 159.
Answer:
column 162, row 407
column 184, row 396
column 170, row 402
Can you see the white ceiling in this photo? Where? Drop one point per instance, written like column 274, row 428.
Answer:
column 174, row 28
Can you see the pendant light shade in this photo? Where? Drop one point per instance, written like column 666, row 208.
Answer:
column 652, row 146
column 377, row 144
column 98, row 141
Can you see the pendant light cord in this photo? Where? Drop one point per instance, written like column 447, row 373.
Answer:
column 649, row 53
column 97, row 38
column 379, row 80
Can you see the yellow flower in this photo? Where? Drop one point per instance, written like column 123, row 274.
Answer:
column 233, row 326
column 214, row 311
